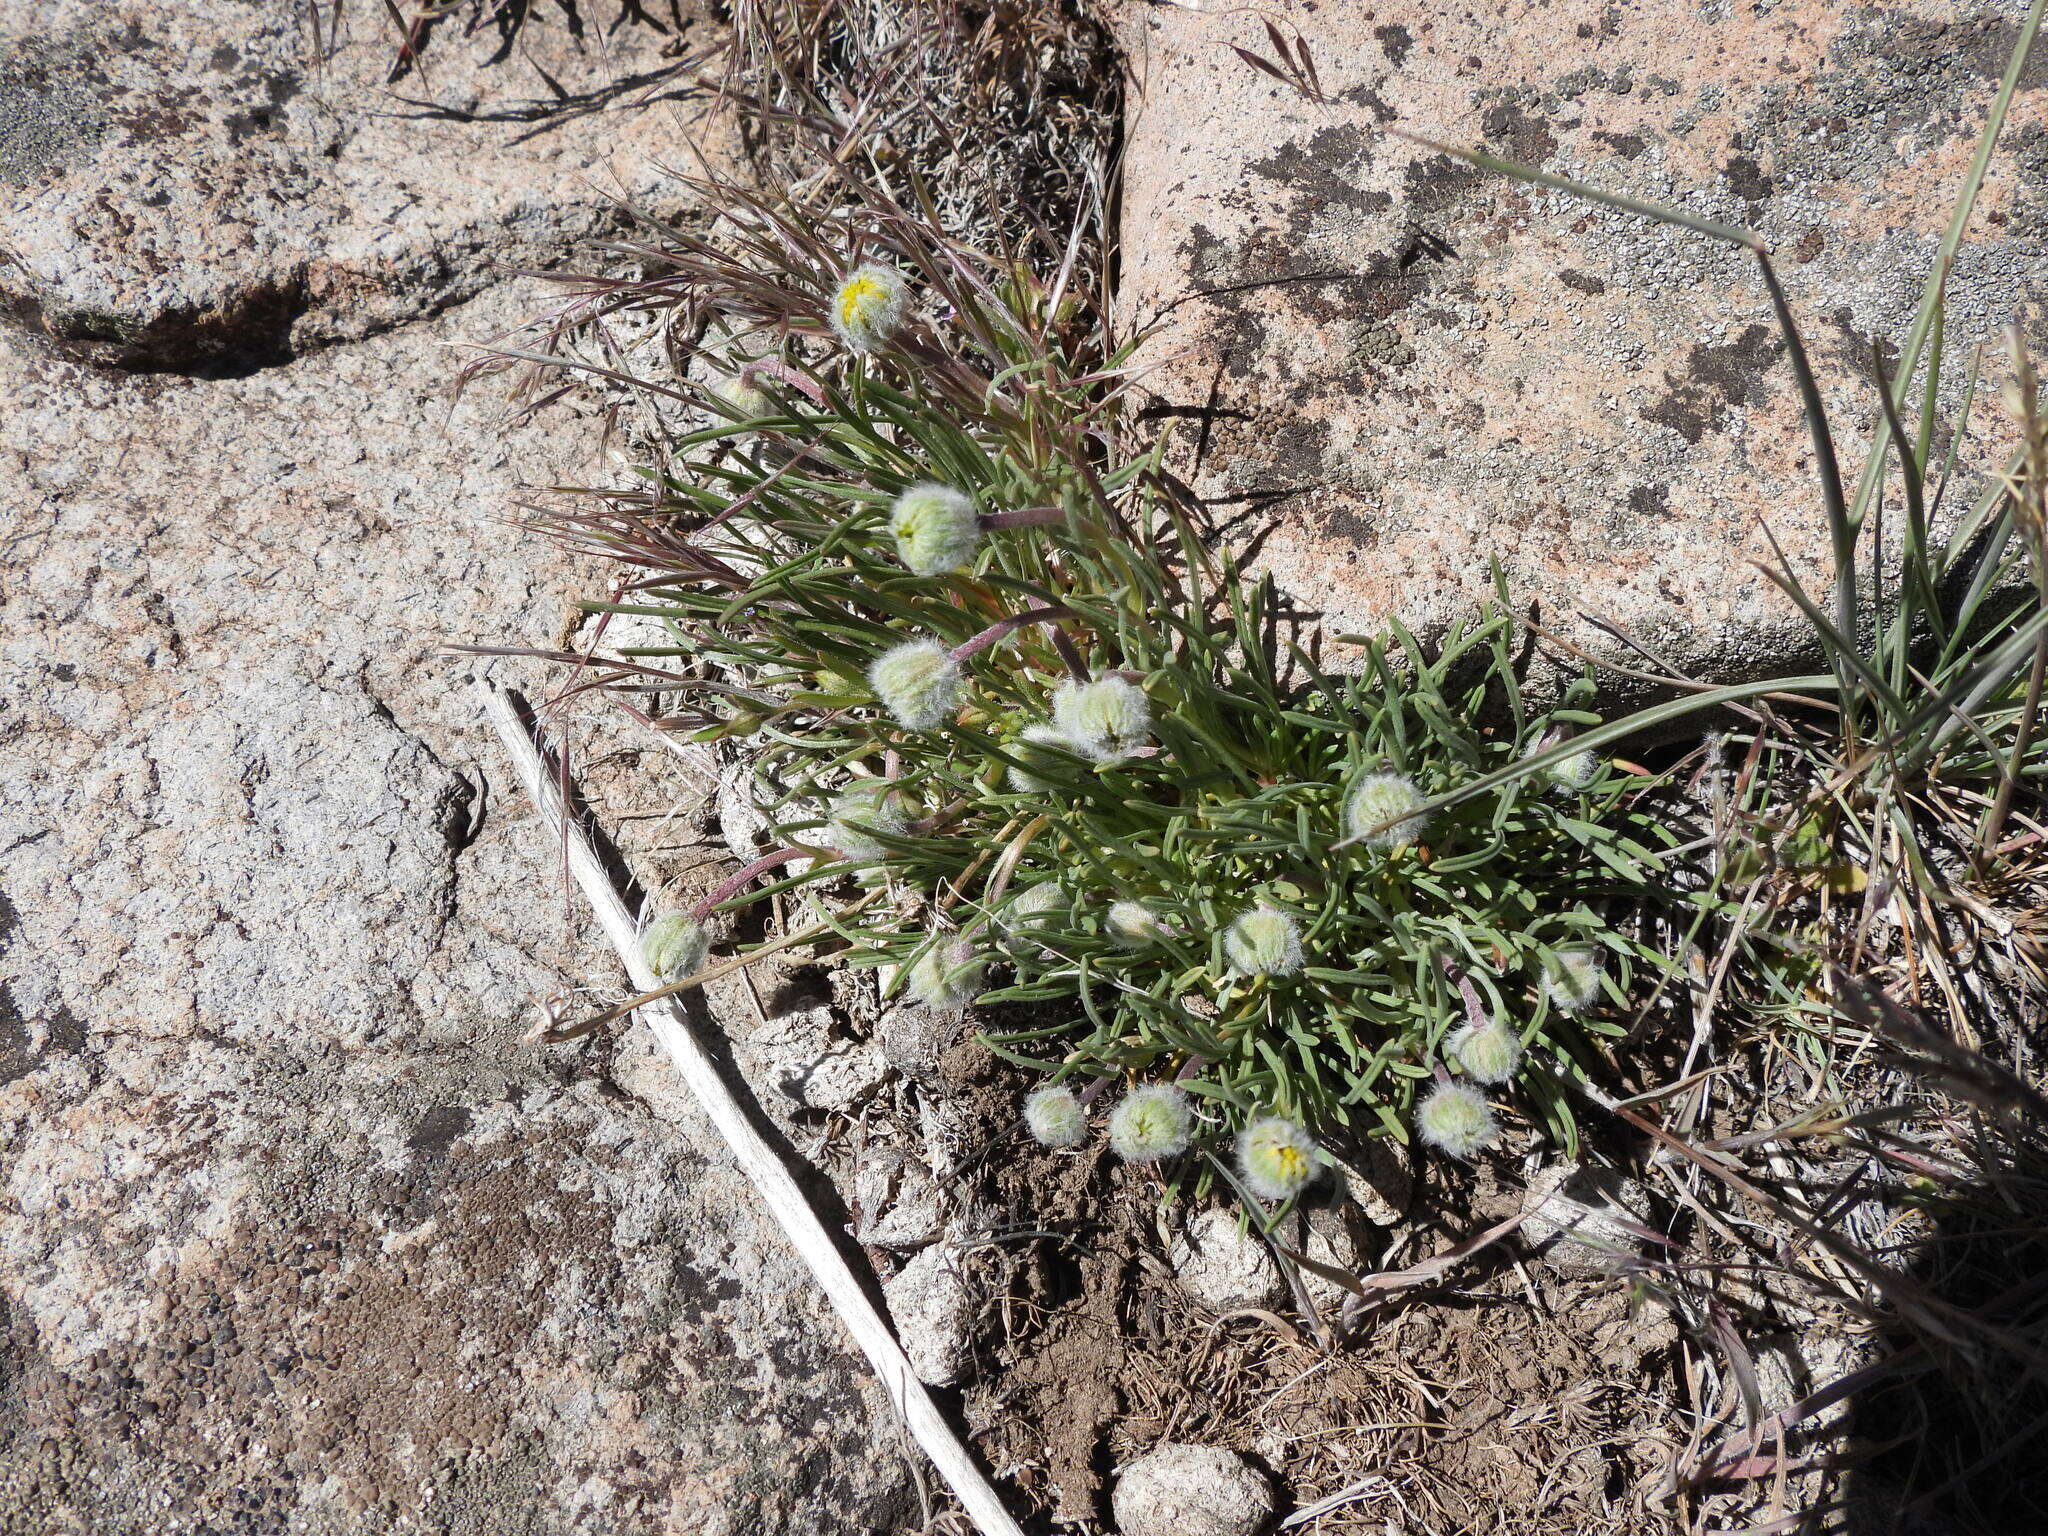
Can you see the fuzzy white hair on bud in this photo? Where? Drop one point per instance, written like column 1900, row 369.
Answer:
column 1056, row 1117
column 1275, row 1158
column 1104, row 719
column 1384, row 811
column 1457, row 1120
column 857, row 813
column 1264, row 942
column 1486, row 1053
column 918, row 682
column 1571, row 980
column 869, row 306
column 1132, row 925
column 1034, row 749
column 674, row 946
column 946, row 977
column 1151, row 1124
column 936, row 529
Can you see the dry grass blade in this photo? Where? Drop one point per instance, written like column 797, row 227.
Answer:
column 757, row 1158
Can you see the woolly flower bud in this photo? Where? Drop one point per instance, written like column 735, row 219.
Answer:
column 918, row 682
column 1033, row 907
column 868, row 308
column 1456, row 1119
column 1488, row 1053
column 860, row 811
column 1030, row 749
column 674, row 946
column 936, row 529
column 1151, row 1124
column 1264, row 942
column 1572, row 979
column 1275, row 1158
column 1132, row 924
column 1103, row 719
column 1571, row 773
column 747, row 400
column 1055, row 1117
column 947, row 976
column 1385, row 797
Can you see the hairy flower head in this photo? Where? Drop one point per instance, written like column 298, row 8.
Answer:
column 1572, row 978
column 1030, row 750
column 1132, row 924
column 857, row 813
column 1456, row 1119
column 1575, row 773
column 1151, row 1124
column 1056, row 1117
column 946, row 976
column 745, row 398
column 1264, row 942
column 918, row 682
column 674, row 946
column 1034, row 907
column 1487, row 1053
column 936, row 529
column 869, row 306
column 1276, row 1159
column 1385, row 797
column 1106, row 718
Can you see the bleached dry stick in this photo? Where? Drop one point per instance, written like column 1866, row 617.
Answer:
column 758, row 1160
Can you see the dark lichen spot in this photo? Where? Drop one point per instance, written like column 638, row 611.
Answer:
column 1627, row 145
column 1746, row 179
column 1395, row 42
column 1527, row 137
column 1716, row 379
column 1650, row 500
column 1584, row 282
column 1432, row 185
column 438, row 1130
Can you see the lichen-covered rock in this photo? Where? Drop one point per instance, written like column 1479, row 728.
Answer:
column 1224, row 1264
column 1408, row 367
column 1192, row 1490
column 933, row 1309
column 205, row 185
column 297, row 1233
column 1581, row 1219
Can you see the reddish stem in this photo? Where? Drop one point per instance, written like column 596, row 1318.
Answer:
column 732, row 883
column 1030, row 517
column 1001, row 628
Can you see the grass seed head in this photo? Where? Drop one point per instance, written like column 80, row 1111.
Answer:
column 1572, row 979
column 1264, row 942
column 674, row 946
column 869, row 307
column 1276, row 1159
column 1056, row 1117
column 1457, row 1120
column 1151, row 1124
column 1487, row 1053
column 860, row 811
column 918, row 682
column 1133, row 925
column 1385, row 797
column 1107, row 718
column 936, row 529
column 946, row 976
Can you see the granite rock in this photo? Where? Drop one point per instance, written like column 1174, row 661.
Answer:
column 1396, row 368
